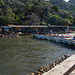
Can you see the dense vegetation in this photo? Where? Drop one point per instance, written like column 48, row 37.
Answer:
column 72, row 1
column 36, row 12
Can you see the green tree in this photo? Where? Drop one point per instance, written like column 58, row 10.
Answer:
column 55, row 8
column 8, row 17
column 27, row 8
column 33, row 19
column 65, row 22
column 67, row 15
column 54, row 20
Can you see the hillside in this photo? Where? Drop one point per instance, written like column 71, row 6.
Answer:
column 36, row 12
column 68, row 6
column 72, row 1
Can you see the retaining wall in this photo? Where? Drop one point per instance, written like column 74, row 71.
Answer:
column 64, row 68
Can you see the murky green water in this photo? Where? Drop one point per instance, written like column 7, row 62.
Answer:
column 21, row 55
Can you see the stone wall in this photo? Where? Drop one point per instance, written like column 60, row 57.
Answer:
column 49, row 66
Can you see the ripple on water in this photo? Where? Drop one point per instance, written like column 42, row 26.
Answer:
column 22, row 55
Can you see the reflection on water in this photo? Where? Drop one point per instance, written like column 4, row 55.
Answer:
column 21, row 55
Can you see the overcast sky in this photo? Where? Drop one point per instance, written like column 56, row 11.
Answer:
column 66, row 0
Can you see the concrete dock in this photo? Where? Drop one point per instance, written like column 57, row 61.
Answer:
column 67, row 67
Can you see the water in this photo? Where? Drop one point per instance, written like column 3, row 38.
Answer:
column 22, row 55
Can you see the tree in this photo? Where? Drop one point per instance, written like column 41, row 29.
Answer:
column 65, row 22
column 33, row 19
column 8, row 17
column 54, row 20
column 27, row 8
column 55, row 8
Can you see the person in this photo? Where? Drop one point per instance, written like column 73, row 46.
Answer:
column 38, row 33
column 50, row 31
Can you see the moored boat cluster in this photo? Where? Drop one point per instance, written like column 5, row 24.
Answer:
column 70, row 40
column 49, row 66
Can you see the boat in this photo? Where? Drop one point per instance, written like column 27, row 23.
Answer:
column 69, row 42
column 0, row 35
column 51, row 37
column 73, row 41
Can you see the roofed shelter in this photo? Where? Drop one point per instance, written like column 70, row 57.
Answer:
column 72, row 28
column 29, row 29
column 57, row 29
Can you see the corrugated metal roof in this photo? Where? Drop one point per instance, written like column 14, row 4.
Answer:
column 26, row 26
column 56, row 26
column 5, row 26
column 33, row 26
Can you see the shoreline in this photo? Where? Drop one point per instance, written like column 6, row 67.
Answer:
column 49, row 66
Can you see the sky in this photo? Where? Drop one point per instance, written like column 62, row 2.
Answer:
column 66, row 0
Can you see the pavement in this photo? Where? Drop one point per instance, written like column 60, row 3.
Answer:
column 67, row 67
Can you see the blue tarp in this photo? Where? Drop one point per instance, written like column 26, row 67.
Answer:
column 6, row 29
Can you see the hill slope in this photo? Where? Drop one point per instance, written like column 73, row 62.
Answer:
column 28, row 12
column 72, row 1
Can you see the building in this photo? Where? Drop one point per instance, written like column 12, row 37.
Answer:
column 57, row 29
column 29, row 29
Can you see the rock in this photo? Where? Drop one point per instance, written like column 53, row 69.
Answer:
column 48, row 67
column 41, row 69
column 39, row 73
column 32, row 73
column 27, row 74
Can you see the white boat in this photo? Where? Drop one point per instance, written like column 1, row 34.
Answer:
column 59, row 40
column 55, row 39
column 49, row 38
column 44, row 37
column 64, row 40
column 73, row 41
column 69, row 42
column 38, row 36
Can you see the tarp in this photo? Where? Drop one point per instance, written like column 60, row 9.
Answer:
column 23, row 28
column 6, row 29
